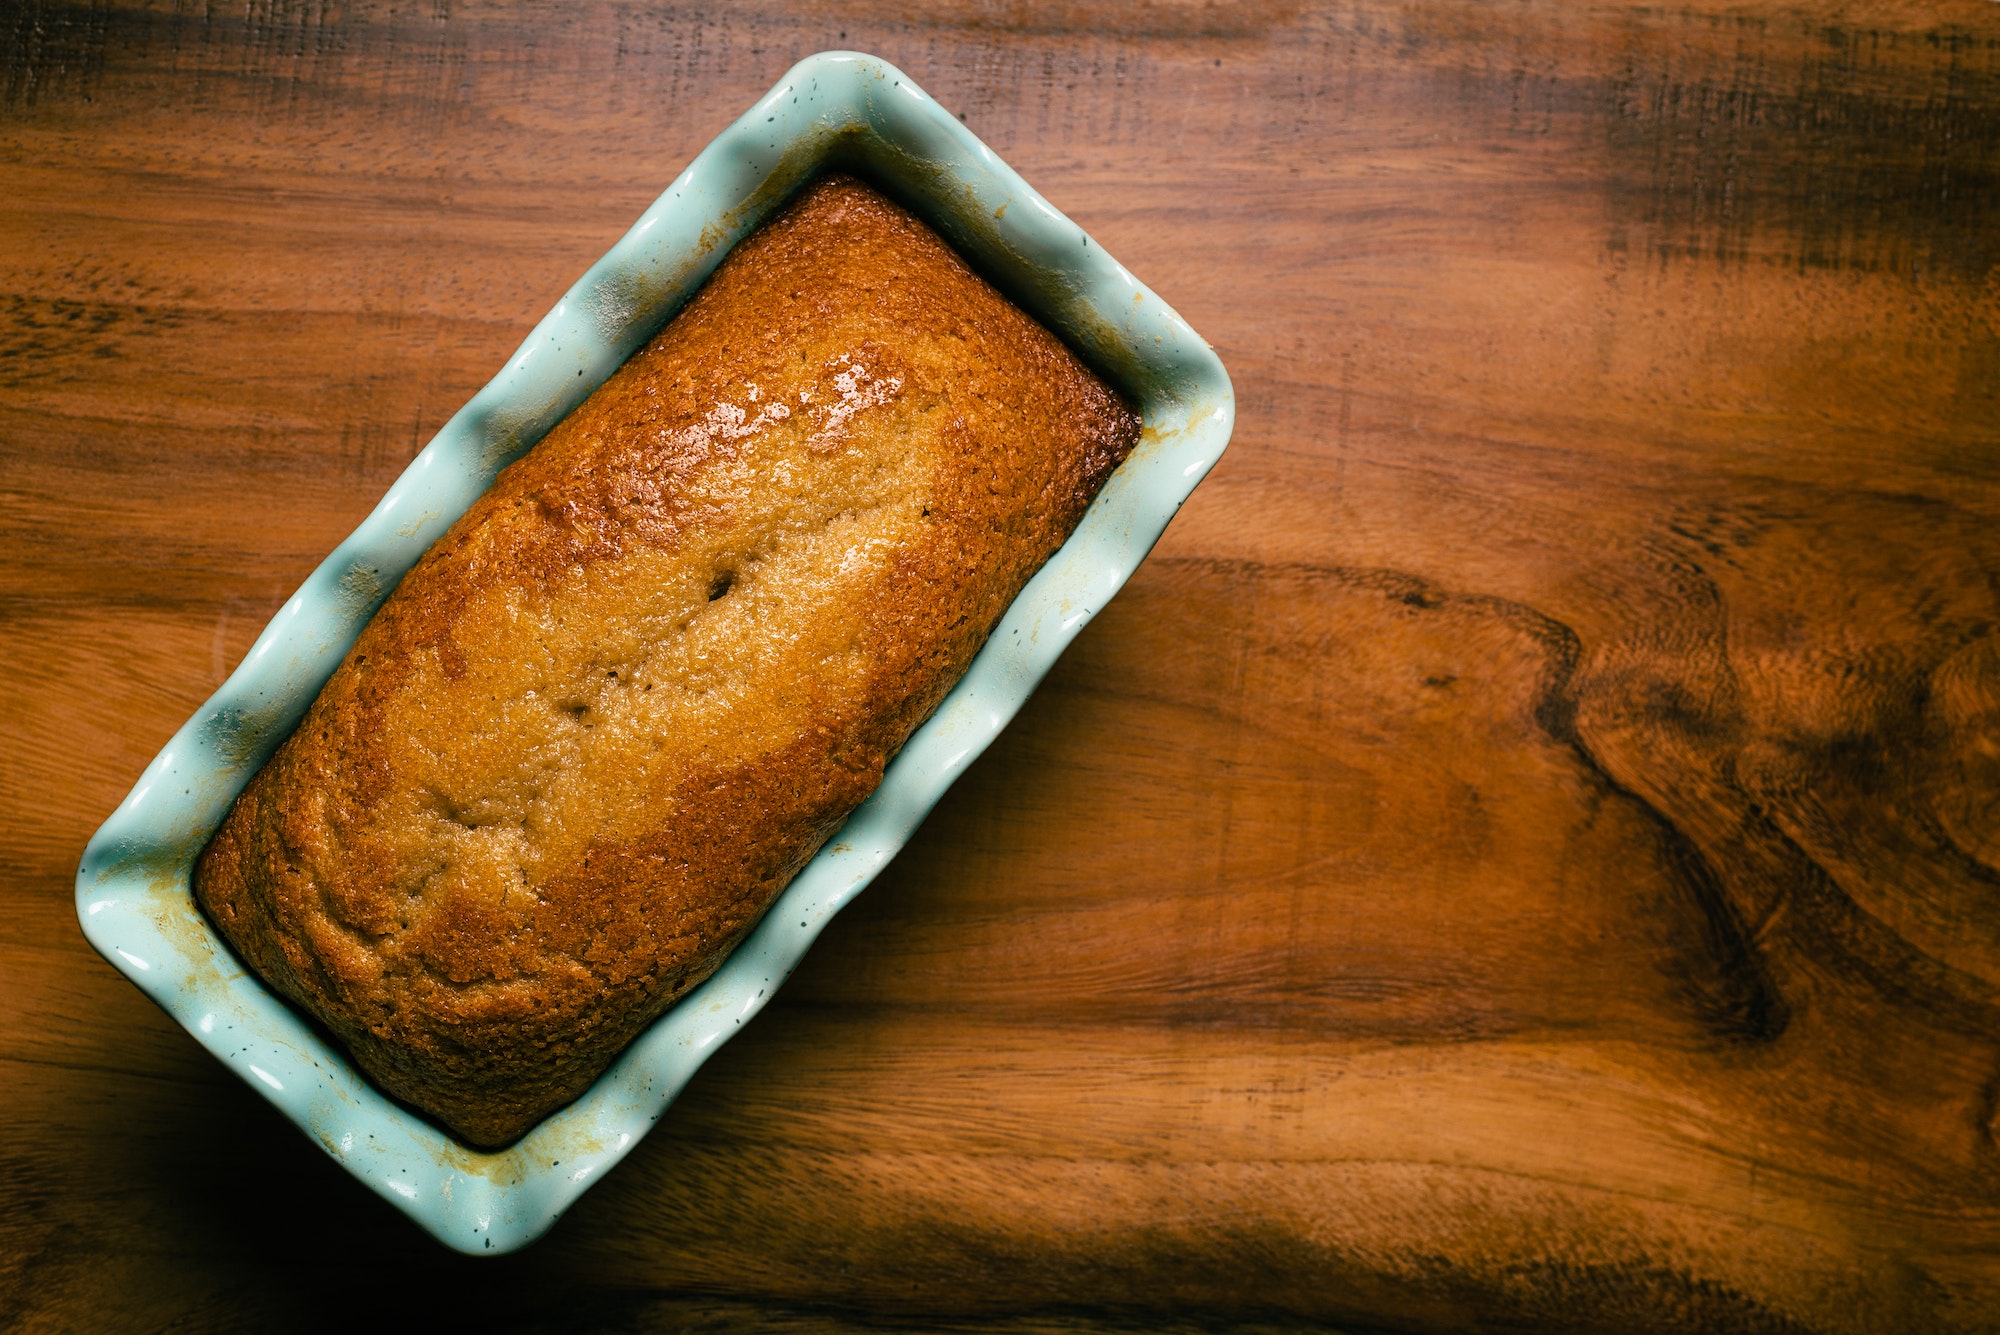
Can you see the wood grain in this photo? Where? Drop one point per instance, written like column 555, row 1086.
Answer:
column 1524, row 853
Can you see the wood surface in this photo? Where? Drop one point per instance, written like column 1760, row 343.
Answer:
column 1524, row 853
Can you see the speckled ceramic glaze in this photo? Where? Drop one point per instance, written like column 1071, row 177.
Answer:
column 837, row 108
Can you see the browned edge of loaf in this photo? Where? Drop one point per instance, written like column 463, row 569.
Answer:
column 489, row 1018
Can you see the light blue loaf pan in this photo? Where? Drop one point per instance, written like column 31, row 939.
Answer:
column 833, row 109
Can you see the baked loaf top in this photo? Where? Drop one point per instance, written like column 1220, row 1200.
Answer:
column 605, row 719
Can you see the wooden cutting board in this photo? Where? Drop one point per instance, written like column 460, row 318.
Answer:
column 1525, row 852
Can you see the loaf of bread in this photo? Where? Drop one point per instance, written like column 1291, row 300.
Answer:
column 605, row 719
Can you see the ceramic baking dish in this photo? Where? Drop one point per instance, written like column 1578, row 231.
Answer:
column 833, row 109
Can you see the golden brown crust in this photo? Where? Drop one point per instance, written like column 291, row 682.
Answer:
column 627, row 696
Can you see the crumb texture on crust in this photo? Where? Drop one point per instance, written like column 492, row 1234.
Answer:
column 604, row 721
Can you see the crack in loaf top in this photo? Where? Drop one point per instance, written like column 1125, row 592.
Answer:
column 624, row 699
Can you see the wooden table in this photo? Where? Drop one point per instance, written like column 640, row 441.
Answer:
column 1524, row 852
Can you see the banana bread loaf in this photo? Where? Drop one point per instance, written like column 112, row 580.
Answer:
column 607, row 717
